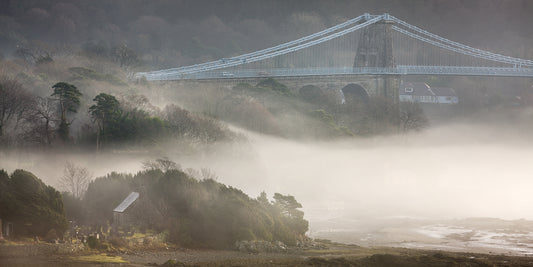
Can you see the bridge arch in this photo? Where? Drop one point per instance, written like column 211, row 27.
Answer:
column 354, row 93
column 312, row 94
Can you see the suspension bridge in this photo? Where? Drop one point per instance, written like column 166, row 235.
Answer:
column 365, row 45
column 369, row 52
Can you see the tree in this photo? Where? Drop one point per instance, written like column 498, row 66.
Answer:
column 6, row 196
column 35, row 51
column 263, row 199
column 74, row 208
column 289, row 210
column 105, row 111
column 104, row 194
column 165, row 164
column 43, row 117
column 288, row 205
column 15, row 101
column 33, row 206
column 182, row 123
column 134, row 101
column 69, row 101
column 380, row 115
column 124, row 55
column 75, row 179
column 136, row 127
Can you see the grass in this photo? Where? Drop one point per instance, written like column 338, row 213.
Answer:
column 138, row 235
column 9, row 243
column 101, row 258
column 19, row 241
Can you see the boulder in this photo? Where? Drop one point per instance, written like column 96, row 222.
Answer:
column 259, row 246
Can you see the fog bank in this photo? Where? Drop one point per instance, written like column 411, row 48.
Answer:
column 452, row 171
column 449, row 172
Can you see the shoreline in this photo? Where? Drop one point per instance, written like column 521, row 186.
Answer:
column 334, row 255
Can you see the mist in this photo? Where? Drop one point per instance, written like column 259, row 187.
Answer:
column 449, row 171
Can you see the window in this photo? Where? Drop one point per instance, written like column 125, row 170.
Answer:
column 408, row 89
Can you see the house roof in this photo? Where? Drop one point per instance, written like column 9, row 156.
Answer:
column 443, row 91
column 419, row 89
column 127, row 202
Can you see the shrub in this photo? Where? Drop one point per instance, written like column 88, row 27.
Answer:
column 92, row 242
column 274, row 85
column 28, row 202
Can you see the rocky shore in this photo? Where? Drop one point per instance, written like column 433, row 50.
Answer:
column 48, row 255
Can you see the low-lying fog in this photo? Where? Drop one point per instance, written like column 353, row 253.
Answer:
column 446, row 172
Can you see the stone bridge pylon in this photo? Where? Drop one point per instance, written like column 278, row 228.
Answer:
column 374, row 50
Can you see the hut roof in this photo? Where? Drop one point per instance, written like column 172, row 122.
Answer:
column 127, row 202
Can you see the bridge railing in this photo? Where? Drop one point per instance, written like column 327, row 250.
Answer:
column 305, row 72
column 462, row 70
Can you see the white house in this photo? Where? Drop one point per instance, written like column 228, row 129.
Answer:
column 422, row 93
column 445, row 95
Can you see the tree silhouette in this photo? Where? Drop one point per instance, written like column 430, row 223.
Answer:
column 15, row 101
column 125, row 56
column 69, row 101
column 105, row 111
column 75, row 179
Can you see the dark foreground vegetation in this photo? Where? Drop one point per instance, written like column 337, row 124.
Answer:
column 36, row 209
column 179, row 218
column 194, row 212
column 188, row 211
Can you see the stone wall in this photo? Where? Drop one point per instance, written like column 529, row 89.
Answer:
column 386, row 86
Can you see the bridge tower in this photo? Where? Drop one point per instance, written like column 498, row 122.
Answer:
column 374, row 50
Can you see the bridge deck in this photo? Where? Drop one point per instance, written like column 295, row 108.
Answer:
column 304, row 72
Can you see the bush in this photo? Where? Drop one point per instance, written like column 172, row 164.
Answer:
column 118, row 242
column 92, row 242
column 28, row 202
column 274, row 85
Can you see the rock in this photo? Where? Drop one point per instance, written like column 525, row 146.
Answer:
column 259, row 246
column 280, row 245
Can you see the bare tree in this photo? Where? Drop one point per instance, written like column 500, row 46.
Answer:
column 43, row 118
column 207, row 174
column 125, row 56
column 164, row 164
column 75, row 179
column 15, row 102
column 130, row 102
column 35, row 52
